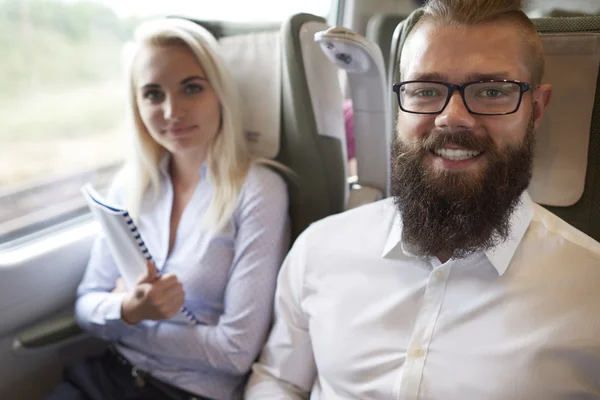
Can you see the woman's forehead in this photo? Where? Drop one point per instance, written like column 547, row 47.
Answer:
column 159, row 62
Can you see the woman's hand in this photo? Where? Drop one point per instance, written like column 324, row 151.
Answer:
column 120, row 286
column 154, row 297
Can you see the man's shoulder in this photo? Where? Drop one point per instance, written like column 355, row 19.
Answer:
column 373, row 217
column 338, row 241
column 549, row 226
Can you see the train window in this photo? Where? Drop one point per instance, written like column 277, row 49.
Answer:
column 62, row 98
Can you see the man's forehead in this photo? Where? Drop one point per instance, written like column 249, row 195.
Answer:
column 457, row 52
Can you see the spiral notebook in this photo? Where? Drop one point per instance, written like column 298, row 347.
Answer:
column 125, row 243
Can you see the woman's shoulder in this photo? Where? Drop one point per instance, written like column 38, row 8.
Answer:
column 264, row 181
column 262, row 175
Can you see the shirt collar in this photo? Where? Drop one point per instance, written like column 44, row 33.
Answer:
column 163, row 165
column 520, row 219
column 393, row 245
column 500, row 256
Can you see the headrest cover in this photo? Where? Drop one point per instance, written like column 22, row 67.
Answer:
column 572, row 62
column 254, row 62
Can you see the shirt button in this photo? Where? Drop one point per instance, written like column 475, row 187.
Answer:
column 418, row 352
column 439, row 275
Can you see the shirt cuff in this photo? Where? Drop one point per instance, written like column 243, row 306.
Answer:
column 112, row 314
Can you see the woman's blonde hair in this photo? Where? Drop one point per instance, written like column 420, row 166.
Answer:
column 228, row 158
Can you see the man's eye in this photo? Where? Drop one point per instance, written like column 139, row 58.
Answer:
column 426, row 93
column 492, row 93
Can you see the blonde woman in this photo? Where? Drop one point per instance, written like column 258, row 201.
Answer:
column 217, row 224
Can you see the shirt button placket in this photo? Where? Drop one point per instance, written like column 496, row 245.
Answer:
column 410, row 380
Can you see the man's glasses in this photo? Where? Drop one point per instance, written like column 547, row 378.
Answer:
column 490, row 97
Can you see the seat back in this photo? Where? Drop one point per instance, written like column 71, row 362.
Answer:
column 566, row 177
column 313, row 141
column 380, row 29
column 292, row 108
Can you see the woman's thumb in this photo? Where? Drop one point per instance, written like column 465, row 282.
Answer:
column 151, row 273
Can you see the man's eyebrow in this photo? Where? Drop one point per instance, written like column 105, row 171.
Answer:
column 192, row 78
column 489, row 76
column 151, row 86
column 435, row 76
column 427, row 76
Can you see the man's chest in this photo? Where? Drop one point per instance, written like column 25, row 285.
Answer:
column 451, row 334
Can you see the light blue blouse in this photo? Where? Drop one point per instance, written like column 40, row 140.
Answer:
column 229, row 281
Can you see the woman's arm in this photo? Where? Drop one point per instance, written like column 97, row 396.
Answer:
column 98, row 311
column 260, row 245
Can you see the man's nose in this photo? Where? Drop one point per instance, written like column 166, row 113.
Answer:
column 456, row 116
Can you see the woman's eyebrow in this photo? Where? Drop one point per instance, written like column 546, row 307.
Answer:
column 192, row 78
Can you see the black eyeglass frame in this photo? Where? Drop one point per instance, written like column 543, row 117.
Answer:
column 524, row 87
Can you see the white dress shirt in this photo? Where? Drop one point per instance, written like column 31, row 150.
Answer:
column 358, row 317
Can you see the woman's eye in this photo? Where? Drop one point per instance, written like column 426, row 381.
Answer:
column 194, row 88
column 153, row 95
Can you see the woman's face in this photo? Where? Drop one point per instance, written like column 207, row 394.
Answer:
column 175, row 100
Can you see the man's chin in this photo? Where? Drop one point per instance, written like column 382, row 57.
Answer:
column 455, row 182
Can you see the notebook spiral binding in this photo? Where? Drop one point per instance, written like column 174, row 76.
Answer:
column 138, row 237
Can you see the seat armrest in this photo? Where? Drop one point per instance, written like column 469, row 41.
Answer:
column 48, row 332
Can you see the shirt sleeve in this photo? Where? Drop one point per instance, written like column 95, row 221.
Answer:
column 97, row 310
column 286, row 369
column 260, row 245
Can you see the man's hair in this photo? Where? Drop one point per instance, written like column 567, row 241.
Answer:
column 471, row 12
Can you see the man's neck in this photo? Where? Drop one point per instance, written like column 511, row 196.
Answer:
column 444, row 256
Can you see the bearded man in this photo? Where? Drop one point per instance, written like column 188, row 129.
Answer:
column 458, row 286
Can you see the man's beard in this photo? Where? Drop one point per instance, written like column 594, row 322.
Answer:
column 457, row 213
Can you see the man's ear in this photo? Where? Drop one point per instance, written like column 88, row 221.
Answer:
column 542, row 96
